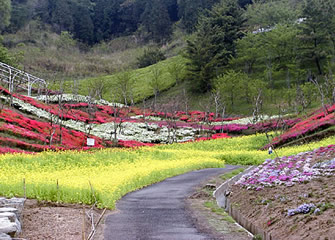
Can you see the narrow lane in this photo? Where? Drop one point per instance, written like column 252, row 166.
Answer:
column 159, row 211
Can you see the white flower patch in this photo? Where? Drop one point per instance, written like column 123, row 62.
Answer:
column 142, row 132
column 76, row 98
column 247, row 120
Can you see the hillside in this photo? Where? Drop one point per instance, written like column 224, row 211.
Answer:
column 254, row 60
column 132, row 85
column 67, row 120
column 32, row 125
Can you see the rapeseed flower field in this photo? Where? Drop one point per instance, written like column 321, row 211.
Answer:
column 104, row 176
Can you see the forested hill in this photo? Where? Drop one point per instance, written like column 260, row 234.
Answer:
column 246, row 55
column 91, row 21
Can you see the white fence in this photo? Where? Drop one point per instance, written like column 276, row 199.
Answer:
column 16, row 78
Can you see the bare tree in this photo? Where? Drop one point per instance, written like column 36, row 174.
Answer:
column 217, row 101
column 206, row 106
column 75, row 86
column 97, row 88
column 155, row 83
column 56, row 120
column 170, row 108
column 91, row 109
column 176, row 71
column 321, row 90
column 186, row 100
column 330, row 88
column 258, row 105
column 117, row 122
column 125, row 83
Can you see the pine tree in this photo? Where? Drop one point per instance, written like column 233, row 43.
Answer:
column 106, row 19
column 318, row 30
column 83, row 25
column 156, row 21
column 214, row 44
column 62, row 16
column 190, row 10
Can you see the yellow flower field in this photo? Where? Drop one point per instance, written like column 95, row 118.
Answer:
column 106, row 175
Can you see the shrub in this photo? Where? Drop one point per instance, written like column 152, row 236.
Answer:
column 150, row 57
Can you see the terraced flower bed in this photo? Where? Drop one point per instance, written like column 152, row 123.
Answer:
column 290, row 170
column 290, row 197
column 74, row 120
column 317, row 121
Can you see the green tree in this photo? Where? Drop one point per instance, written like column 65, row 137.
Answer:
column 62, row 15
column 214, row 44
column 190, row 10
column 5, row 10
column 317, row 34
column 107, row 19
column 176, row 70
column 83, row 25
column 230, row 86
column 21, row 13
column 150, row 56
column 66, row 41
column 265, row 14
column 248, row 54
column 155, row 83
column 279, row 47
column 5, row 56
column 156, row 20
column 273, row 53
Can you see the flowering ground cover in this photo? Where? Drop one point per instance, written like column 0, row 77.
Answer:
column 316, row 121
column 15, row 124
column 291, row 197
column 289, row 170
column 111, row 173
column 130, row 126
column 114, row 172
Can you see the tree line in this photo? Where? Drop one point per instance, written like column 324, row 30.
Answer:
column 286, row 45
column 91, row 21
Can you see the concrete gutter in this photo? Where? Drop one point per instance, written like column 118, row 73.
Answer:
column 221, row 195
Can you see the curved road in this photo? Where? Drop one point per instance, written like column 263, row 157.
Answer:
column 159, row 211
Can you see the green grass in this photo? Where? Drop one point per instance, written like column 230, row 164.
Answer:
column 142, row 77
column 232, row 174
column 219, row 211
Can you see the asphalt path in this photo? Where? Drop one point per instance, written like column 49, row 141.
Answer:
column 159, row 211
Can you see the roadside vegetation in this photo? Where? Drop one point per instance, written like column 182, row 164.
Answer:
column 106, row 175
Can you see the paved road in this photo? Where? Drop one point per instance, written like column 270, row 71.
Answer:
column 158, row 211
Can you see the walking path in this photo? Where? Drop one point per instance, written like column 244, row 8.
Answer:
column 159, row 211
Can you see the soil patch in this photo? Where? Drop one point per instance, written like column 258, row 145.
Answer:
column 42, row 220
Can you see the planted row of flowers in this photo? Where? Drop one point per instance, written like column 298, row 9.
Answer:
column 106, row 120
column 11, row 150
column 318, row 120
column 257, row 127
column 19, row 125
column 290, row 170
column 127, row 131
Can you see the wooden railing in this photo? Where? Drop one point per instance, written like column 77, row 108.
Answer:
column 16, row 78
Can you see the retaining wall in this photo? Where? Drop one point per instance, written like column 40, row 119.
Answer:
column 222, row 198
column 10, row 217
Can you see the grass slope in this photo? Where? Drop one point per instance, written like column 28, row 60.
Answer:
column 142, row 77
